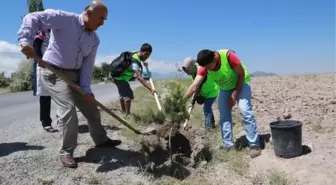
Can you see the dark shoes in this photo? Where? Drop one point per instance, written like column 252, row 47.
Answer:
column 68, row 161
column 210, row 125
column 49, row 129
column 109, row 143
column 255, row 151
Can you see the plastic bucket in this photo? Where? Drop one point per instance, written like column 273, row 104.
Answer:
column 287, row 138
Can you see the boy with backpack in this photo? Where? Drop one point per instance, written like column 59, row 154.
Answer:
column 125, row 68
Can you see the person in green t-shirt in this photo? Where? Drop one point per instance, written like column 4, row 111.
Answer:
column 209, row 91
column 133, row 71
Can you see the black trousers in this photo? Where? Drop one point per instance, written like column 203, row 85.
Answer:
column 45, row 106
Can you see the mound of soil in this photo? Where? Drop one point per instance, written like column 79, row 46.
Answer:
column 172, row 151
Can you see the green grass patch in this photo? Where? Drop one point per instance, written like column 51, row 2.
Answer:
column 276, row 177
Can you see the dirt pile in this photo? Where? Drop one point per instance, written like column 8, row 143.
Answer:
column 172, row 151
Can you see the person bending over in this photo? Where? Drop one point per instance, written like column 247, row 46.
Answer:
column 233, row 79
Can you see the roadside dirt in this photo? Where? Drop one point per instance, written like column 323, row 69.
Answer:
column 310, row 99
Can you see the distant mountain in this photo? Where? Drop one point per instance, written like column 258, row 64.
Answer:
column 261, row 73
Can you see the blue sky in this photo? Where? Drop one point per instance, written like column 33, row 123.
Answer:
column 284, row 37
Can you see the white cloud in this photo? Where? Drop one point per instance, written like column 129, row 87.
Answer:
column 154, row 66
column 10, row 57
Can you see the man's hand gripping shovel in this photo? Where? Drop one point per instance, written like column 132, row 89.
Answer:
column 88, row 97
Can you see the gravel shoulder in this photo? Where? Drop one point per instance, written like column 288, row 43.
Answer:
column 29, row 156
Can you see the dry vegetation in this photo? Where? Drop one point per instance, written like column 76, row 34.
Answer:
column 308, row 98
column 145, row 113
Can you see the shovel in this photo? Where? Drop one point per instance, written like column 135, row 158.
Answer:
column 155, row 94
column 193, row 100
column 186, row 120
column 73, row 85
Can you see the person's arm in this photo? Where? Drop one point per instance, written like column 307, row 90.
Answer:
column 145, row 63
column 136, row 69
column 87, row 69
column 47, row 19
column 194, row 86
column 38, row 43
column 241, row 76
column 37, row 47
column 201, row 74
column 238, row 68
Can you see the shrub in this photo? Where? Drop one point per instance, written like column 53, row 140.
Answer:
column 97, row 74
column 175, row 105
column 4, row 81
column 22, row 79
column 174, row 108
column 149, row 116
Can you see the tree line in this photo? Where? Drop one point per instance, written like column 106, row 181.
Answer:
column 22, row 79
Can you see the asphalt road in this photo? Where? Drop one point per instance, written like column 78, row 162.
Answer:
column 19, row 112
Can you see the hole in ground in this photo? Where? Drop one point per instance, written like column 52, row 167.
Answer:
column 187, row 151
column 188, row 148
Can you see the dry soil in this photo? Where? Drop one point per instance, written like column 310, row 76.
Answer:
column 310, row 99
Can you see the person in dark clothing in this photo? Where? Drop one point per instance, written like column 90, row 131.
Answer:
column 40, row 45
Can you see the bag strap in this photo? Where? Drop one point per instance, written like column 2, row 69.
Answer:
column 138, row 62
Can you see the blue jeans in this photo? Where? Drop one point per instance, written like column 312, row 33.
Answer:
column 209, row 118
column 246, row 113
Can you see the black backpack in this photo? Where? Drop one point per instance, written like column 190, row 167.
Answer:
column 121, row 63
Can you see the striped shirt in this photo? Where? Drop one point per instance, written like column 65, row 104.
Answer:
column 70, row 46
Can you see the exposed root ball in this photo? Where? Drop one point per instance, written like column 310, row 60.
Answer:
column 188, row 149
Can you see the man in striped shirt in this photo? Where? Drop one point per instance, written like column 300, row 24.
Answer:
column 72, row 51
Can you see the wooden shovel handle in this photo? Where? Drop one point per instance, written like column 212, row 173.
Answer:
column 186, row 120
column 155, row 94
column 189, row 110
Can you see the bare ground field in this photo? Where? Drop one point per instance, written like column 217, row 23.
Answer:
column 310, row 99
